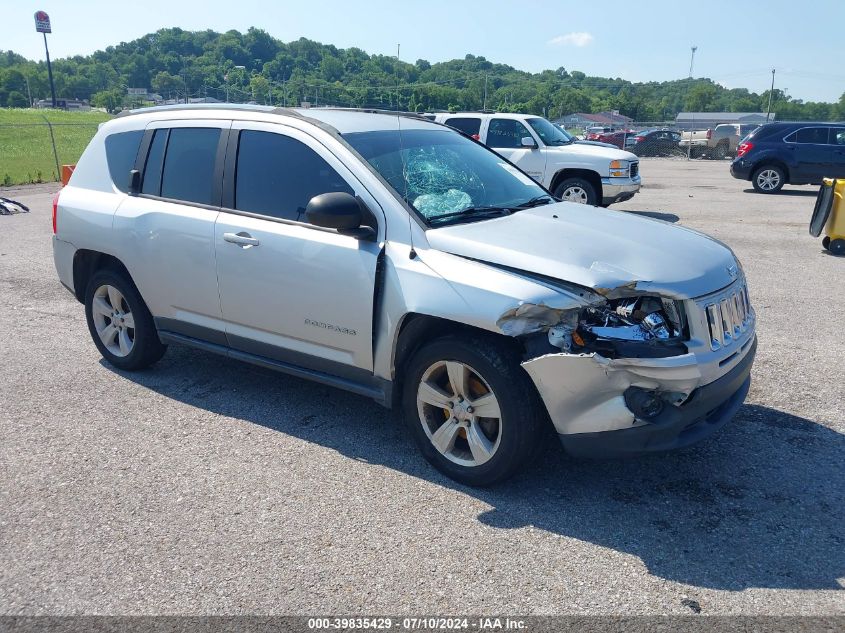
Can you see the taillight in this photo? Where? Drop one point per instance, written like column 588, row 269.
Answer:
column 476, row 137
column 55, row 210
column 639, row 139
column 743, row 148
column 709, row 134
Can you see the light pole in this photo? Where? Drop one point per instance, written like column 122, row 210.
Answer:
column 771, row 92
column 692, row 59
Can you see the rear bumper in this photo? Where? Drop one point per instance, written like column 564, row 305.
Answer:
column 619, row 189
column 707, row 410
column 741, row 169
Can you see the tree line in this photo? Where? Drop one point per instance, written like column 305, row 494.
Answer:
column 254, row 66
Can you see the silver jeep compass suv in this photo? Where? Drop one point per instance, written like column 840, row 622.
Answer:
column 398, row 259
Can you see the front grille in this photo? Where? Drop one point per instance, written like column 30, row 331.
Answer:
column 729, row 315
column 635, row 169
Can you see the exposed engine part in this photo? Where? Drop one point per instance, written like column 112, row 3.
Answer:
column 631, row 319
column 561, row 337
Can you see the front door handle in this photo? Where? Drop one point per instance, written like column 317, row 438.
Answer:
column 243, row 239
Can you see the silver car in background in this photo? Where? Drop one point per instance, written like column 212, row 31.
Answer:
column 396, row 258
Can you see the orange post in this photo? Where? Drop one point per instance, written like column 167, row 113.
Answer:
column 67, row 170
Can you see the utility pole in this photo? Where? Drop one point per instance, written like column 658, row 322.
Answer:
column 771, row 92
column 692, row 59
column 42, row 25
column 484, row 106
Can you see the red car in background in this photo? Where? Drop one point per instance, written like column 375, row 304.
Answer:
column 616, row 138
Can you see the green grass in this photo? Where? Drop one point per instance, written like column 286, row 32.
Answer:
column 26, row 154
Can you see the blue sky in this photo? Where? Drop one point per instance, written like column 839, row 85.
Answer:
column 738, row 42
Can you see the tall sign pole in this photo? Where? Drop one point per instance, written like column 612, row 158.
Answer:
column 42, row 25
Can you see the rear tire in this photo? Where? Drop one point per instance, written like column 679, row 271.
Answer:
column 449, row 384
column 120, row 322
column 837, row 247
column 768, row 179
column 578, row 190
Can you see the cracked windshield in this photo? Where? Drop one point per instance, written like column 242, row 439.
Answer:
column 446, row 177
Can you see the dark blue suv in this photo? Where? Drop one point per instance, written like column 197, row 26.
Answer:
column 777, row 154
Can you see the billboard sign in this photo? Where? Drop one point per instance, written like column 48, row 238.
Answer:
column 42, row 22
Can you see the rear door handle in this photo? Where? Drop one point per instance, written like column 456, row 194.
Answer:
column 243, row 239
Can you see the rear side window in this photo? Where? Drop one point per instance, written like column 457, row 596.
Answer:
column 277, row 175
column 188, row 172
column 467, row 126
column 506, row 133
column 837, row 136
column 815, row 135
column 121, row 151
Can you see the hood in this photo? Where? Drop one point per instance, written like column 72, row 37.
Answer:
column 612, row 252
column 588, row 148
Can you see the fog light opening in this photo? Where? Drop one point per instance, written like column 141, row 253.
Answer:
column 645, row 405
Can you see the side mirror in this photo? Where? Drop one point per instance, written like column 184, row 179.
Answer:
column 527, row 141
column 134, row 182
column 338, row 210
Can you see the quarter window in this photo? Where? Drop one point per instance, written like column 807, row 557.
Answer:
column 815, row 135
column 506, row 133
column 277, row 175
column 470, row 127
column 188, row 172
column 121, row 150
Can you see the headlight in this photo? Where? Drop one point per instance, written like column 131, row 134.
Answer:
column 634, row 319
column 619, row 168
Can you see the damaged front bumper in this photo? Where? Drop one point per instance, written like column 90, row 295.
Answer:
column 585, row 397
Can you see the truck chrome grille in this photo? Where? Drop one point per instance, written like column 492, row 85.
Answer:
column 729, row 315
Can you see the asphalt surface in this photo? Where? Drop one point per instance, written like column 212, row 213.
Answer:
column 207, row 486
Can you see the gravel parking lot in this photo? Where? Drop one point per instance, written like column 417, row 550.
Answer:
column 208, row 486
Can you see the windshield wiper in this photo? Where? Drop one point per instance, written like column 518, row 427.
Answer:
column 537, row 201
column 471, row 213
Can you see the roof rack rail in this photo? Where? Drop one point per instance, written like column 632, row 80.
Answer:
column 245, row 107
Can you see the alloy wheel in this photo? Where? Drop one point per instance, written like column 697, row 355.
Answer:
column 113, row 320
column 768, row 180
column 459, row 413
column 574, row 194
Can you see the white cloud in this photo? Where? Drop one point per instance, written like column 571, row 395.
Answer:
column 576, row 38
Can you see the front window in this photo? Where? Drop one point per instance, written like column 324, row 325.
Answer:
column 445, row 176
column 550, row 134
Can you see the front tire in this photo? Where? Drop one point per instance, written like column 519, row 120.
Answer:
column 837, row 247
column 472, row 410
column 120, row 323
column 768, row 179
column 578, row 190
column 720, row 152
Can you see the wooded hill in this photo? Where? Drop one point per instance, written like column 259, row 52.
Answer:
column 173, row 63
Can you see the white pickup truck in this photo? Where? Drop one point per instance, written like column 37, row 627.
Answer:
column 572, row 171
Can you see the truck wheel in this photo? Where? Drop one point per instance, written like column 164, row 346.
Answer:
column 720, row 152
column 576, row 190
column 837, row 247
column 472, row 410
column 768, row 179
column 120, row 323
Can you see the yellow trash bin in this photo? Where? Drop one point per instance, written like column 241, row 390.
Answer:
column 829, row 215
